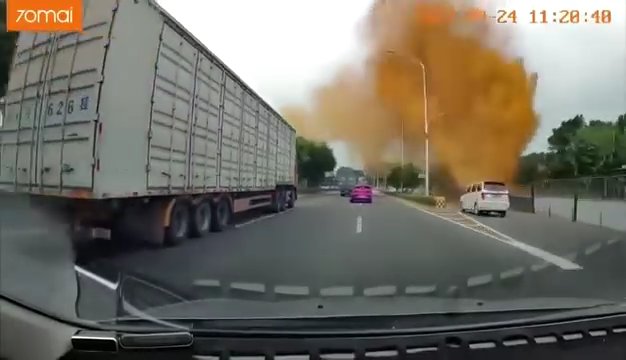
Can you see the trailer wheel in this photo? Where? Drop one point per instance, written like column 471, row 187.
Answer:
column 221, row 215
column 275, row 204
column 291, row 199
column 201, row 219
column 282, row 201
column 178, row 230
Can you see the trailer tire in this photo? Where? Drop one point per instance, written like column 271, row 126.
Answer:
column 221, row 213
column 291, row 200
column 178, row 230
column 275, row 204
column 201, row 219
column 282, row 200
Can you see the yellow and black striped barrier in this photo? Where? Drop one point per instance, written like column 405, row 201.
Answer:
column 440, row 201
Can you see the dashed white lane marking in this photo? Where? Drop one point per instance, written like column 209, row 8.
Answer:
column 612, row 241
column 255, row 287
column 593, row 248
column 547, row 339
column 382, row 354
column 102, row 281
column 380, row 290
column 518, row 271
column 337, row 356
column 337, row 291
column 539, row 267
column 479, row 280
column 561, row 262
column 359, row 224
column 420, row 290
column 291, row 290
column 207, row 282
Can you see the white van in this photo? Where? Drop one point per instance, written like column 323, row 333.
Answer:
column 485, row 197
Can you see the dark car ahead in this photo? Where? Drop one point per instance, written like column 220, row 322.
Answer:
column 345, row 189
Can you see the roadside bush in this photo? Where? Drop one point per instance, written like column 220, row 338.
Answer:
column 420, row 199
column 426, row 200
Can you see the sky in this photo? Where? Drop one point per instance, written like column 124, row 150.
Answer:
column 284, row 49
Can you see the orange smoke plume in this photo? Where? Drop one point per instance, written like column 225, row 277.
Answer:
column 479, row 99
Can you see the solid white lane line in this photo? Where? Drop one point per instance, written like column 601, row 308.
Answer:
column 254, row 220
column 102, row 281
column 564, row 262
column 561, row 262
column 261, row 218
column 359, row 224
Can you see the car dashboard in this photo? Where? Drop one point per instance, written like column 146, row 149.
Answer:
column 26, row 334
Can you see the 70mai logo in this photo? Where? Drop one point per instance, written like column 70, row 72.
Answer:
column 44, row 15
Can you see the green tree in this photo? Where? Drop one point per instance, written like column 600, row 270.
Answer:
column 621, row 124
column 563, row 136
column 578, row 149
column 313, row 160
column 531, row 167
column 406, row 177
column 575, row 156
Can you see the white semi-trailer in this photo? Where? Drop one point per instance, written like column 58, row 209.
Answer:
column 134, row 126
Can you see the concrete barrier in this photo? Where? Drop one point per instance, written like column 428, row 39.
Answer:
column 521, row 203
column 607, row 213
column 440, row 201
column 434, row 201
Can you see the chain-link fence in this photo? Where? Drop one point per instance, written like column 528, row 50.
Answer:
column 592, row 200
column 607, row 187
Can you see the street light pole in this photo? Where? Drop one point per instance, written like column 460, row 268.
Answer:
column 401, row 154
column 426, row 148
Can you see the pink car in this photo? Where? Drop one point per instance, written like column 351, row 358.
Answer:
column 361, row 194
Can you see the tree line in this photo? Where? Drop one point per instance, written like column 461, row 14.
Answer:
column 577, row 148
column 402, row 177
column 313, row 160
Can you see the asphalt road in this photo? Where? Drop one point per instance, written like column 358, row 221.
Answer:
column 329, row 247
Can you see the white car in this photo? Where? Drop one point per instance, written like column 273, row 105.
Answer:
column 486, row 197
